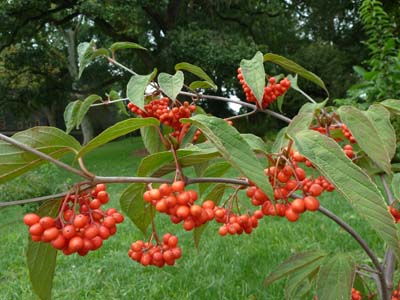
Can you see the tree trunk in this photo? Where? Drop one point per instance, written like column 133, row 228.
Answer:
column 87, row 130
column 50, row 113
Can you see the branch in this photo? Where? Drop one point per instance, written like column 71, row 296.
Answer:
column 242, row 103
column 39, row 199
column 390, row 259
column 42, row 155
column 363, row 245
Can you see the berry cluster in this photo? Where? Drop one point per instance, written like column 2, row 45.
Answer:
column 286, row 179
column 179, row 204
column 77, row 233
column 160, row 109
column 236, row 224
column 355, row 295
column 347, row 134
column 157, row 254
column 271, row 92
column 347, row 148
column 396, row 293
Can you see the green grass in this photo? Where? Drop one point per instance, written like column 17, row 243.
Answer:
column 231, row 267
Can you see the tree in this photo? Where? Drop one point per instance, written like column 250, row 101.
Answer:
column 334, row 143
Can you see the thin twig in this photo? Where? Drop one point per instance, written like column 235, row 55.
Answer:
column 113, row 61
column 241, row 115
column 38, row 199
column 242, row 103
column 389, row 262
column 307, row 96
column 109, row 102
column 42, row 155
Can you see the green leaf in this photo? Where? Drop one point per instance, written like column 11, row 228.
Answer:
column 351, row 182
column 359, row 70
column 300, row 291
column 71, row 115
column 137, row 86
column 84, row 108
column 314, row 108
column 281, row 141
column 196, row 71
column 188, row 138
column 99, row 52
column 115, row 131
column 335, row 278
column 393, row 105
column 256, row 143
column 171, row 85
column 135, row 207
column 216, row 169
column 161, row 163
column 85, row 52
column 294, row 67
column 216, row 194
column 362, row 128
column 200, row 84
column 396, row 186
column 41, row 257
column 254, row 75
column 293, row 264
column 300, row 122
column 380, row 117
column 299, row 279
column 50, row 140
column 151, row 139
column 125, row 45
column 233, row 148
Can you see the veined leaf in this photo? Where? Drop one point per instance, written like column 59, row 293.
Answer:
column 256, row 143
column 200, row 84
column 84, row 108
column 99, row 52
column 280, row 141
column 327, row 156
column 71, row 115
column 293, row 264
column 161, row 163
column 41, row 258
column 299, row 279
column 49, row 140
column 216, row 169
column 393, row 105
column 171, row 85
column 137, row 86
column 300, row 122
column 216, row 194
column 362, row 128
column 151, row 139
column 117, row 130
column 336, row 277
column 135, row 207
column 125, row 45
column 396, row 186
column 85, row 52
column 254, row 75
column 233, row 148
column 296, row 68
column 380, row 117
column 196, row 71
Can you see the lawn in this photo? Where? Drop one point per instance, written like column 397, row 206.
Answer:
column 231, row 267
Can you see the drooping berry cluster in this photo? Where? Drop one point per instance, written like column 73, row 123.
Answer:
column 355, row 295
column 74, row 232
column 180, row 204
column 160, row 109
column 271, row 92
column 157, row 254
column 286, row 180
column 236, row 224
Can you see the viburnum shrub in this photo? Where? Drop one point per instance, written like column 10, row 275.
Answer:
column 323, row 149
